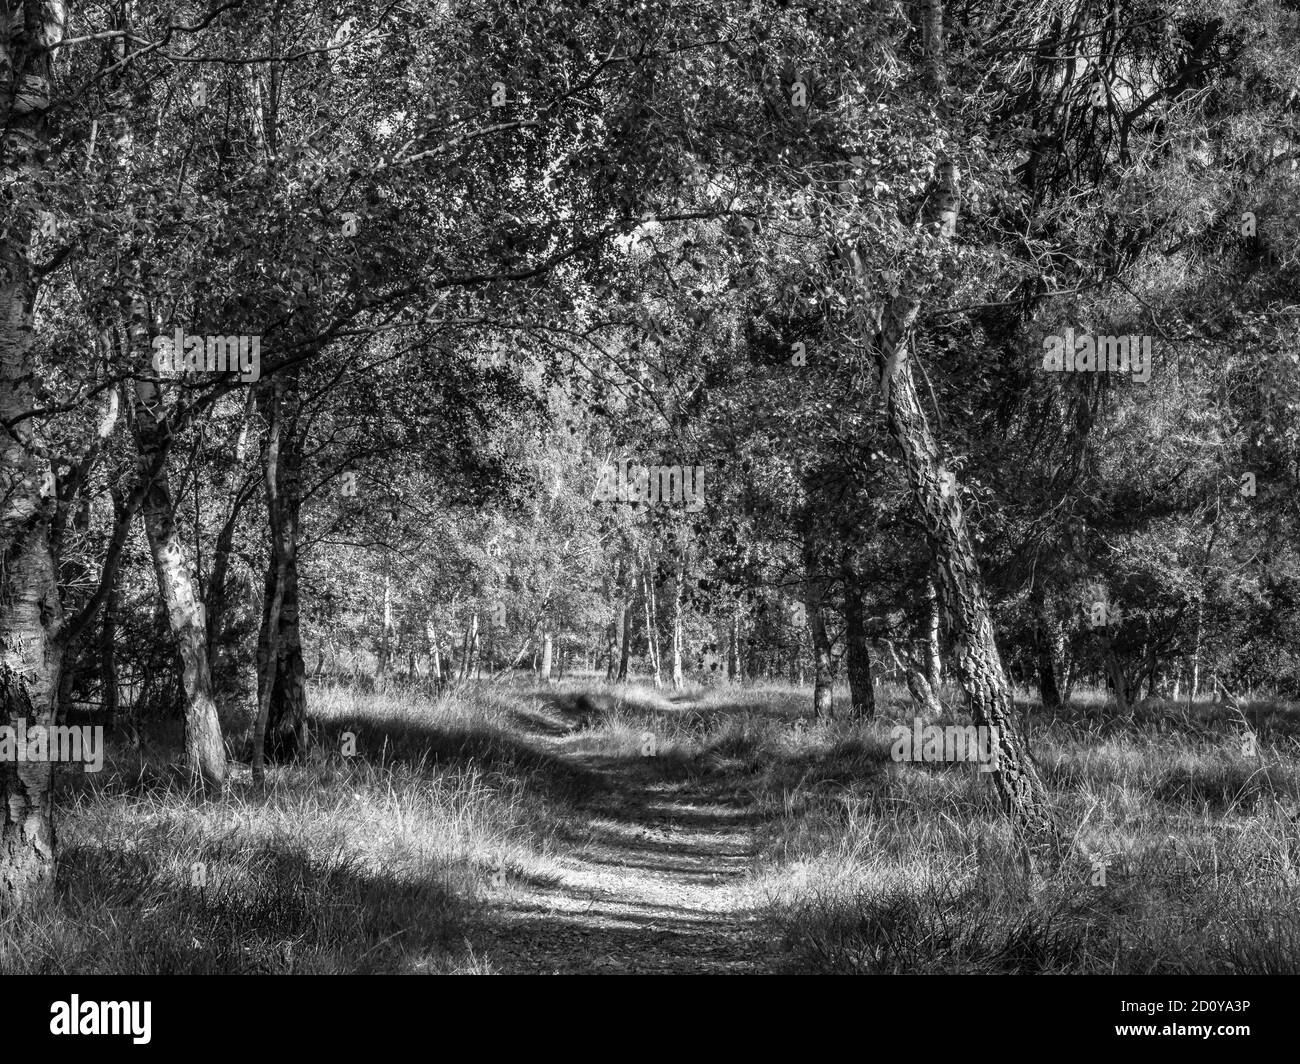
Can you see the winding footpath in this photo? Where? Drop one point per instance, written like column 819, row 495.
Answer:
column 655, row 889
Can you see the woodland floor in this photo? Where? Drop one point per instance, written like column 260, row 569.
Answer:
column 655, row 887
column 516, row 829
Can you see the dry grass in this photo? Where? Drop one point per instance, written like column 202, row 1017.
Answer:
column 871, row 866
column 383, row 861
column 369, row 863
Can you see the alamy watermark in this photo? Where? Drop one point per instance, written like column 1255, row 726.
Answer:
column 930, row 742
column 77, row 1017
column 179, row 353
column 649, row 485
column 60, row 742
column 1086, row 353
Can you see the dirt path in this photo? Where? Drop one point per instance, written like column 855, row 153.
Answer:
column 655, row 889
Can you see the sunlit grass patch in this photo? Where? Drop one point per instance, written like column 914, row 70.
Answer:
column 865, row 865
column 365, row 862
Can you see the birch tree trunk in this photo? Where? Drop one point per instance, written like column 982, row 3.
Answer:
column 913, row 673
column 73, row 572
column 1115, row 671
column 270, row 648
column 651, row 635
column 937, row 499
column 1195, row 685
column 470, row 648
column 435, row 654
column 548, row 651
column 934, row 656
column 735, row 667
column 823, row 680
column 287, row 729
column 616, row 624
column 679, row 576
column 205, row 753
column 30, row 611
column 224, row 637
column 108, row 654
column 386, row 630
column 462, row 674
column 625, row 616
column 823, row 690
column 979, row 665
column 222, row 643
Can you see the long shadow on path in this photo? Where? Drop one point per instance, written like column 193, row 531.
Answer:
column 657, row 888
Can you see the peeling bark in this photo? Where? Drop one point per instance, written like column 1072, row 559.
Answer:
column 937, row 499
column 934, row 656
column 548, row 651
column 30, row 612
column 205, row 753
column 979, row 665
